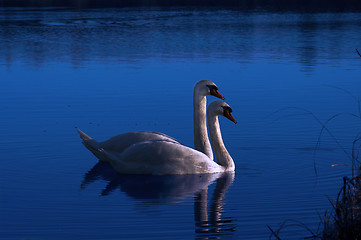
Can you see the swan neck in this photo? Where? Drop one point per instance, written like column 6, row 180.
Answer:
column 223, row 157
column 201, row 140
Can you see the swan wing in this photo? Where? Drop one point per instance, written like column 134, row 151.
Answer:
column 122, row 141
column 119, row 143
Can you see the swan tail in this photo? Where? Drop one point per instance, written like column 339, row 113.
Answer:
column 83, row 135
column 93, row 146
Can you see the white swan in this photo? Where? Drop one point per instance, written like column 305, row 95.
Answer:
column 120, row 142
column 163, row 157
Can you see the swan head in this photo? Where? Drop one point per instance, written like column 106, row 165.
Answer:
column 206, row 88
column 219, row 108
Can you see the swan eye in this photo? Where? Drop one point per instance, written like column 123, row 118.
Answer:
column 214, row 91
column 227, row 109
column 212, row 87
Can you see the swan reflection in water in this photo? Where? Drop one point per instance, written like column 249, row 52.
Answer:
column 173, row 188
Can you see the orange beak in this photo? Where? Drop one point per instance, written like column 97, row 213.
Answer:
column 228, row 115
column 214, row 92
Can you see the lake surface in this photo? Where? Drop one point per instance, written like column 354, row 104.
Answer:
column 111, row 71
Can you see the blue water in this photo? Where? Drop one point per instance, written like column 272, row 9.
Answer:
column 119, row 70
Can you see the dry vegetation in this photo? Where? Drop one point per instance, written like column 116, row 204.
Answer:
column 344, row 221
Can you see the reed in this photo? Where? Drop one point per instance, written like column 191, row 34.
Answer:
column 344, row 221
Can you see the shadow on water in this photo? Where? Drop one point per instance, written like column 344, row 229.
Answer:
column 170, row 189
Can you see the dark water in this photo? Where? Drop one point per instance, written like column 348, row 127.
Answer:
column 117, row 70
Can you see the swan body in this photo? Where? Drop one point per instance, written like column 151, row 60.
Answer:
column 164, row 157
column 121, row 142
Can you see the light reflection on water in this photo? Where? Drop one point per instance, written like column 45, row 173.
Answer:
column 113, row 71
column 129, row 35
